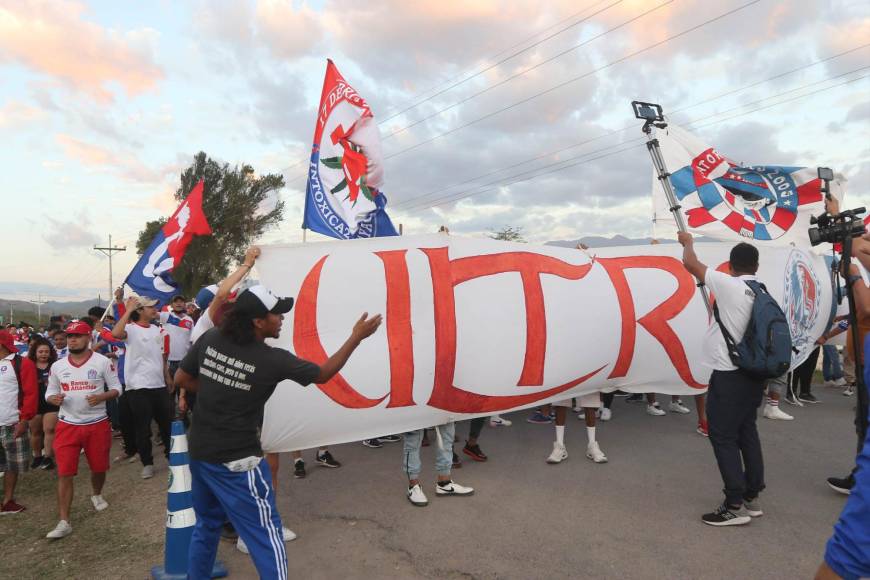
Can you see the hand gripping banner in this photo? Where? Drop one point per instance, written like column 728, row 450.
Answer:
column 475, row 327
column 342, row 198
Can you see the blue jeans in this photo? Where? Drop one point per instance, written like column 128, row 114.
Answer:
column 443, row 457
column 831, row 368
column 247, row 499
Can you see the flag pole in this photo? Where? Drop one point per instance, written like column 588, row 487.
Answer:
column 652, row 116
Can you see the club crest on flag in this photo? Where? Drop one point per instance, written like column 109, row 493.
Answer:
column 346, row 166
column 728, row 201
column 801, row 301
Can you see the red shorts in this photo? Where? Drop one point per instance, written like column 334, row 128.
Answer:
column 69, row 440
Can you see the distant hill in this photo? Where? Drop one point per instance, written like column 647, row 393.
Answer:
column 602, row 242
column 27, row 312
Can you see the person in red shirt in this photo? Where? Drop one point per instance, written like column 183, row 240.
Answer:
column 18, row 404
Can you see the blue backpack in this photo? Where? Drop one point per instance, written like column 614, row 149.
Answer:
column 765, row 350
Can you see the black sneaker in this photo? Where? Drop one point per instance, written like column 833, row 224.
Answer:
column 842, row 485
column 47, row 464
column 789, row 398
column 326, row 460
column 475, row 452
column 457, row 463
column 725, row 515
column 390, row 438
column 634, row 398
column 299, row 469
column 37, row 461
column 373, row 443
column 808, row 398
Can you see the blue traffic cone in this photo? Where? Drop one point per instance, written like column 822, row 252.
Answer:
column 180, row 517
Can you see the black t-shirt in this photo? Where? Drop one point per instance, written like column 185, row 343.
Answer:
column 235, row 381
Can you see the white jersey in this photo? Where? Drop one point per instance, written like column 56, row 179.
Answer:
column 202, row 325
column 735, row 300
column 8, row 392
column 92, row 377
column 179, row 328
column 143, row 363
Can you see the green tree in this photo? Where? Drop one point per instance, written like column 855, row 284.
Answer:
column 231, row 200
column 509, row 234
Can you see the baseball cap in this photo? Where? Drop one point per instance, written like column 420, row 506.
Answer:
column 144, row 300
column 78, row 327
column 7, row 341
column 258, row 301
column 205, row 296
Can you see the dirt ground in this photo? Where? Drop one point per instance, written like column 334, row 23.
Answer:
column 634, row 517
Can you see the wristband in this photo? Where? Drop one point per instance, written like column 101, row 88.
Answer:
column 248, row 266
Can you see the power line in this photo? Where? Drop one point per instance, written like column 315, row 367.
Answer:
column 573, row 79
column 462, row 195
column 562, row 84
column 529, row 69
column 416, row 199
column 500, row 62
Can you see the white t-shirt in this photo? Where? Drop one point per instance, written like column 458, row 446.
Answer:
column 76, row 382
column 735, row 300
column 143, row 364
column 8, row 392
column 202, row 325
column 179, row 329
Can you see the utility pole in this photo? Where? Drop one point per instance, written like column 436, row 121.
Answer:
column 38, row 303
column 109, row 251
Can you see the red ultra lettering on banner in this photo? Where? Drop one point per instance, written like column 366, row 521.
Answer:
column 446, row 275
column 306, row 342
column 656, row 321
column 399, row 334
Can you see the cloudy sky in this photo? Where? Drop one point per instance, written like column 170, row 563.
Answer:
column 492, row 113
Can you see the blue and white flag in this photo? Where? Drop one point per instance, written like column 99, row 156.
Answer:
column 343, row 199
column 151, row 276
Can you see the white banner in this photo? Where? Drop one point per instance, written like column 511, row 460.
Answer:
column 474, row 327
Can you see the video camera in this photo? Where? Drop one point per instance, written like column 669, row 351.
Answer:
column 834, row 229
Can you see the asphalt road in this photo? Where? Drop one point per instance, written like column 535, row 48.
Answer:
column 637, row 516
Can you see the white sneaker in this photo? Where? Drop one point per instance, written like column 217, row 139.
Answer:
column 61, row 530
column 678, row 407
column 829, row 384
column 498, row 421
column 288, row 534
column 241, row 546
column 99, row 503
column 148, row 472
column 655, row 410
column 849, row 391
column 771, row 412
column 593, row 452
column 416, row 496
column 604, row 414
column 841, row 382
column 453, row 488
column 559, row 453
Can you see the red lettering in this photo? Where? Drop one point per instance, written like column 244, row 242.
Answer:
column 306, row 342
column 656, row 321
column 446, row 275
column 399, row 334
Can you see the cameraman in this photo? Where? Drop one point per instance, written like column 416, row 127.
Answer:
column 847, row 554
column 861, row 252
